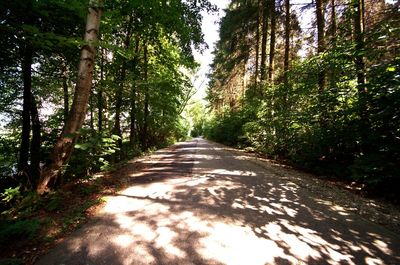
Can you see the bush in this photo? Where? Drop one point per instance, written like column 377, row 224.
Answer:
column 23, row 229
column 92, row 153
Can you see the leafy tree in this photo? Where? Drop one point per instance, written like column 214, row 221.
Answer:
column 320, row 109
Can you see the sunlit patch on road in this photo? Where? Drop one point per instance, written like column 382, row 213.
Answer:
column 224, row 211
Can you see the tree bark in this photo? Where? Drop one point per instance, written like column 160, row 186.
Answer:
column 333, row 22
column 331, row 75
column 120, row 89
column 132, row 132
column 100, row 100
column 144, row 141
column 118, row 104
column 257, row 41
column 27, row 55
column 321, row 41
column 364, row 124
column 63, row 148
column 91, row 109
column 287, row 46
column 65, row 90
column 263, row 66
column 272, row 43
column 34, row 172
column 359, row 42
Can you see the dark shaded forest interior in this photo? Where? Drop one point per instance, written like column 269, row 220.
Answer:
column 85, row 86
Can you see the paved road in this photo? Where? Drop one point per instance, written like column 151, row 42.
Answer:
column 197, row 203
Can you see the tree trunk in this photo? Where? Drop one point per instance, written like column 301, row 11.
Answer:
column 120, row 89
column 331, row 75
column 63, row 148
column 91, row 108
column 118, row 103
column 364, row 124
column 333, row 22
column 263, row 66
column 34, row 172
column 146, row 100
column 132, row 132
column 272, row 43
column 282, row 129
column 65, row 90
column 100, row 100
column 257, row 40
column 321, row 41
column 27, row 55
column 287, row 47
column 359, row 41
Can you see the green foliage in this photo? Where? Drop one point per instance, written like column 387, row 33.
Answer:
column 195, row 114
column 344, row 130
column 227, row 128
column 11, row 194
column 11, row 261
column 22, row 229
column 380, row 132
column 93, row 153
column 77, row 215
column 54, row 203
column 7, row 157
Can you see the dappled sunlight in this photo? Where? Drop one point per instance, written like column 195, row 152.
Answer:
column 230, row 172
column 233, row 244
column 123, row 240
column 224, row 211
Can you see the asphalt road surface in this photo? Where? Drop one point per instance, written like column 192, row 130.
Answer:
column 199, row 203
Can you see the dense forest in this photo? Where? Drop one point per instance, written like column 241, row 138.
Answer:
column 324, row 96
column 120, row 88
column 86, row 85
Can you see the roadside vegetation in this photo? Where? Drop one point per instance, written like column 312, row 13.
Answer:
column 324, row 97
column 71, row 107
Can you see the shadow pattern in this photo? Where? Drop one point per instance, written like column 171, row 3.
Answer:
column 197, row 203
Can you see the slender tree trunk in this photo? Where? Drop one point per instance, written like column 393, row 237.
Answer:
column 27, row 55
column 118, row 104
column 35, row 144
column 91, row 108
column 287, row 47
column 359, row 41
column 120, row 89
column 132, row 125
column 321, row 40
column 333, row 22
column 63, row 148
column 100, row 100
column 263, row 66
column 146, row 101
column 272, row 43
column 65, row 90
column 331, row 75
column 282, row 129
column 257, row 40
column 132, row 132
column 364, row 124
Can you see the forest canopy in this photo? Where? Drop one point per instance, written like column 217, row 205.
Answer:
column 323, row 96
column 77, row 99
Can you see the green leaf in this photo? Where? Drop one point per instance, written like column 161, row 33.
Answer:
column 391, row 69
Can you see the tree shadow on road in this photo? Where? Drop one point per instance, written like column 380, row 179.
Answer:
column 199, row 204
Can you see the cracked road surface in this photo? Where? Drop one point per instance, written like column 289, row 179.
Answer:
column 199, row 203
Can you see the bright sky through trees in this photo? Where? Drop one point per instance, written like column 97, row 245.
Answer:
column 210, row 29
